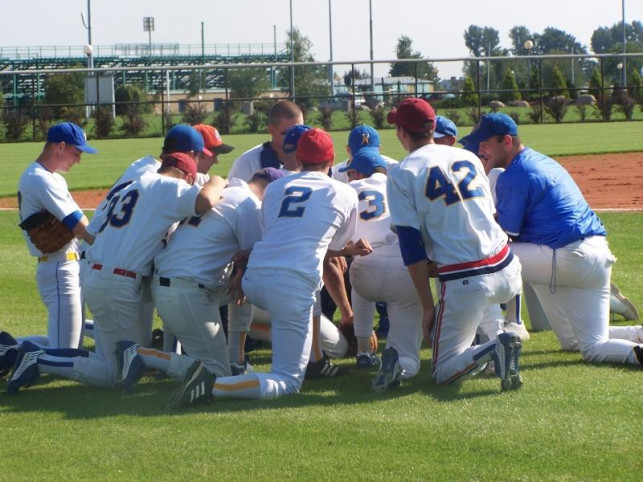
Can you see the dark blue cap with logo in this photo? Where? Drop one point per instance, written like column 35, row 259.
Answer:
column 70, row 133
column 490, row 125
column 365, row 161
column 363, row 137
column 184, row 138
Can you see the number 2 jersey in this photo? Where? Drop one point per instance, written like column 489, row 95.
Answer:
column 442, row 192
column 303, row 216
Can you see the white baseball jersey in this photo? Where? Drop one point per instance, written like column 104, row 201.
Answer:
column 132, row 173
column 374, row 218
column 343, row 176
column 40, row 190
column 295, row 209
column 202, row 247
column 246, row 164
column 138, row 217
column 442, row 191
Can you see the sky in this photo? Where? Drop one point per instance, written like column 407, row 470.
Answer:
column 436, row 28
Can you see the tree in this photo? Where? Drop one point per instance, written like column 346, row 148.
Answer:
column 421, row 70
column 510, row 86
column 519, row 35
column 634, row 84
column 469, row 97
column 65, row 92
column 596, row 84
column 128, row 95
column 558, row 83
column 483, row 42
column 248, row 83
column 308, row 86
column 610, row 40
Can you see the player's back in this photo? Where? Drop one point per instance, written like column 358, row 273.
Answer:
column 137, row 219
column 303, row 215
column 374, row 217
column 443, row 192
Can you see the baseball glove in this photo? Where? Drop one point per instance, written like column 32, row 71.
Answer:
column 46, row 232
column 348, row 331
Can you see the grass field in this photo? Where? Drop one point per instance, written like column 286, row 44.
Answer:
column 102, row 169
column 570, row 421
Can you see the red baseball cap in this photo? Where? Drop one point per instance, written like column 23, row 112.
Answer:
column 315, row 146
column 181, row 161
column 212, row 139
column 413, row 115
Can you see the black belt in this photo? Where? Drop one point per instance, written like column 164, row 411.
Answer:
column 167, row 282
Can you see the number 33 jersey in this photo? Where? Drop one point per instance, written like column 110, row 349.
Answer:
column 304, row 215
column 443, row 192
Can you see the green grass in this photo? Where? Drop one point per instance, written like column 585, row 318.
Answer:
column 102, row 169
column 570, row 421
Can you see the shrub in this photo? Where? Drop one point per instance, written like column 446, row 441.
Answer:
column 222, row 122
column 353, row 117
column 454, row 115
column 626, row 105
column 255, row 121
column 195, row 113
column 473, row 114
column 604, row 108
column 104, row 121
column 133, row 121
column 515, row 116
column 326, row 118
column 469, row 97
column 582, row 111
column 378, row 115
column 15, row 121
column 536, row 114
column 556, row 107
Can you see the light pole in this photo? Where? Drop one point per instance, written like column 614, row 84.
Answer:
column 488, row 64
column 292, row 57
column 528, row 45
column 624, row 44
column 330, row 35
column 370, row 16
column 620, row 66
column 572, row 60
column 148, row 26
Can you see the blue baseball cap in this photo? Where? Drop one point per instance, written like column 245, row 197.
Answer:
column 363, row 137
column 490, row 125
column 292, row 137
column 444, row 127
column 365, row 161
column 70, row 133
column 184, row 138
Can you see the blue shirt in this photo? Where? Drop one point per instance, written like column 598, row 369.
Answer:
column 539, row 202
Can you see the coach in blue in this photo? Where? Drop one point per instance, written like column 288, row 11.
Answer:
column 560, row 241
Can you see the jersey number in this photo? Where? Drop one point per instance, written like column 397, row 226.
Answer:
column 376, row 206
column 437, row 185
column 120, row 218
column 294, row 196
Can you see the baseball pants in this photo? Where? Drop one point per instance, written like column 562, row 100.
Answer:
column 573, row 287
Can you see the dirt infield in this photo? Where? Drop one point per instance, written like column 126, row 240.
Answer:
column 608, row 181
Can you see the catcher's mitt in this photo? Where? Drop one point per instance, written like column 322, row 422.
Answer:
column 46, row 232
column 348, row 331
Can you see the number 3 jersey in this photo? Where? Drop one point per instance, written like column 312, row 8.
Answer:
column 442, row 191
column 374, row 217
column 136, row 220
column 303, row 216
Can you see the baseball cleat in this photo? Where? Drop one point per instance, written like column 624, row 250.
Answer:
column 8, row 352
column 505, row 358
column 25, row 370
column 366, row 360
column 196, row 387
column 638, row 353
column 388, row 376
column 241, row 368
column 517, row 328
column 130, row 364
column 621, row 305
column 324, row 368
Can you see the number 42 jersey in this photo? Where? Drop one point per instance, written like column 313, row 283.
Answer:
column 443, row 192
column 303, row 216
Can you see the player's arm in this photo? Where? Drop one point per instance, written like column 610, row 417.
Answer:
column 80, row 230
column 210, row 194
column 333, row 275
column 361, row 247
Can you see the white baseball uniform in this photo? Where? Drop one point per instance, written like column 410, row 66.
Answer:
column 382, row 276
column 57, row 274
column 191, row 275
column 304, row 215
column 131, row 235
column 443, row 193
column 252, row 160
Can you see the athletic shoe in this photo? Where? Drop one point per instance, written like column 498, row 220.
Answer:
column 8, row 352
column 324, row 368
column 241, row 368
column 389, row 373
column 366, row 360
column 130, row 364
column 519, row 329
column 25, row 370
column 505, row 358
column 638, row 352
column 196, row 387
column 620, row 305
column 157, row 339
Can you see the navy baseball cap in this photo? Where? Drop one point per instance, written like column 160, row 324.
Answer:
column 70, row 133
column 363, row 137
column 365, row 161
column 444, row 127
column 490, row 125
column 292, row 137
column 184, row 138
column 268, row 174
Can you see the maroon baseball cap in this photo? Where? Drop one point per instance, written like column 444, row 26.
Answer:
column 181, row 161
column 315, row 146
column 413, row 115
